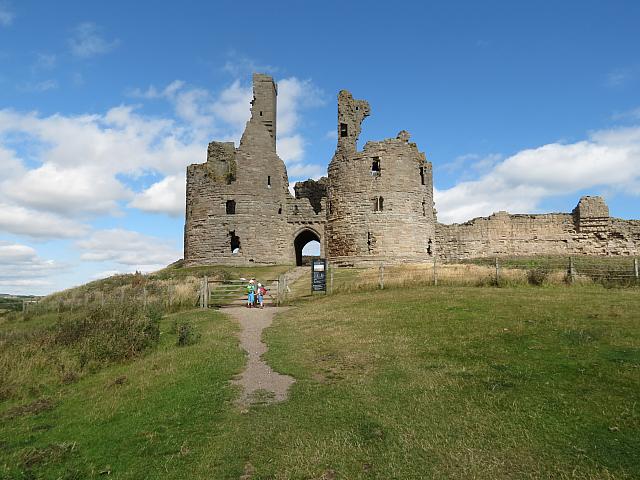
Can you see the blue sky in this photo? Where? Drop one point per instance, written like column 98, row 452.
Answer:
column 521, row 106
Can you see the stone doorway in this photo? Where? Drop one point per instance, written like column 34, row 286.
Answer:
column 303, row 238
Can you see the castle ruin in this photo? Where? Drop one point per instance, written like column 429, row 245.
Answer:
column 376, row 205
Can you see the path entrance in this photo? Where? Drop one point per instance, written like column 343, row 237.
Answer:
column 303, row 237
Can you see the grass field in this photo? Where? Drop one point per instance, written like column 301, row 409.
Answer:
column 455, row 382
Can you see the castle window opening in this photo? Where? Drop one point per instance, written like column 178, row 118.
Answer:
column 231, row 207
column 235, row 242
column 296, row 210
column 280, row 211
column 429, row 251
column 268, row 181
column 375, row 166
column 422, row 175
column 378, row 204
column 260, row 113
column 344, row 130
column 369, row 242
column 424, row 208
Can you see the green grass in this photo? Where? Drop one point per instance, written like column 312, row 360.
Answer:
column 446, row 382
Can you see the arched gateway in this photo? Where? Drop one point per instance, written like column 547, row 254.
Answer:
column 301, row 238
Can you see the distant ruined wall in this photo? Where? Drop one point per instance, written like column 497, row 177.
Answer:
column 588, row 230
column 380, row 199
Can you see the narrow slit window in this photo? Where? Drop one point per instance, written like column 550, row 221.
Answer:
column 378, row 204
column 369, row 242
column 429, row 250
column 280, row 211
column 424, row 208
column 344, row 130
column 268, row 181
column 422, row 175
column 234, row 242
column 375, row 166
column 261, row 113
column 231, row 207
column 381, row 203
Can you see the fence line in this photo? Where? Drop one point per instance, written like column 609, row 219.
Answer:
column 491, row 271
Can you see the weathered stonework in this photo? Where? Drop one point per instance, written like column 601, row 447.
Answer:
column 238, row 207
column 380, row 199
column 588, row 230
column 376, row 205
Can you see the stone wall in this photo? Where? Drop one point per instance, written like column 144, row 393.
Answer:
column 588, row 230
column 238, row 206
column 376, row 205
column 380, row 199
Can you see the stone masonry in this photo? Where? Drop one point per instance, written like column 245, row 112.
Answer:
column 376, row 205
column 380, row 199
column 238, row 206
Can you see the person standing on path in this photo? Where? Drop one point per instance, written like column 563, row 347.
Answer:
column 261, row 292
column 251, row 288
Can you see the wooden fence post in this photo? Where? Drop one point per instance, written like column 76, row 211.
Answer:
column 206, row 292
column 331, row 279
column 381, row 277
column 635, row 268
column 435, row 272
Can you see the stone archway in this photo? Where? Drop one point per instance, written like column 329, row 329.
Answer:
column 303, row 237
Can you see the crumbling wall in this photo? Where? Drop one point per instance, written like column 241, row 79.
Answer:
column 380, row 199
column 313, row 190
column 238, row 203
column 588, row 230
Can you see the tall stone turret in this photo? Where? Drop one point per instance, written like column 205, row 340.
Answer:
column 380, row 199
column 236, row 208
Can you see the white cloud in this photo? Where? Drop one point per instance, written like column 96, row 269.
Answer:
column 609, row 158
column 166, row 196
column 132, row 250
column 70, row 191
column 290, row 149
column 233, row 105
column 295, row 95
column 23, row 221
column 306, row 170
column 19, row 263
column 87, row 41
column 6, row 15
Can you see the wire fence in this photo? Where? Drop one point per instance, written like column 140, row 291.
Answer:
column 607, row 271
column 177, row 294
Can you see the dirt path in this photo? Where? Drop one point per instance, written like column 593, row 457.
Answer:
column 260, row 384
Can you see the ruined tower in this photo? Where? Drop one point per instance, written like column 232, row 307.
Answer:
column 238, row 206
column 380, row 199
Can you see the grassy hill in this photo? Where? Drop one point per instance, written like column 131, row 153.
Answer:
column 410, row 382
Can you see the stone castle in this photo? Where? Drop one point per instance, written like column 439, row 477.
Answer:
column 376, row 205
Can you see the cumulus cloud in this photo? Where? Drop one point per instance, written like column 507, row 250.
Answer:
column 132, row 250
column 21, row 269
column 608, row 159
column 166, row 196
column 88, row 41
column 82, row 162
column 43, row 225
